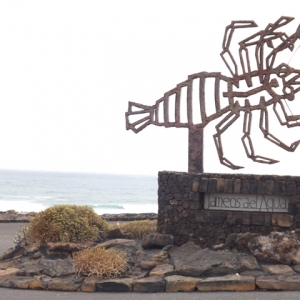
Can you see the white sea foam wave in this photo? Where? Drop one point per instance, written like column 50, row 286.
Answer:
column 35, row 191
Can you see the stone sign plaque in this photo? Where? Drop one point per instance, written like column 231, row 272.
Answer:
column 246, row 202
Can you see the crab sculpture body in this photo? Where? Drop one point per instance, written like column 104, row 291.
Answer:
column 278, row 84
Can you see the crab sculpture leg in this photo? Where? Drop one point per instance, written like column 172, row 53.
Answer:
column 247, row 141
column 221, row 127
column 264, row 127
column 226, row 53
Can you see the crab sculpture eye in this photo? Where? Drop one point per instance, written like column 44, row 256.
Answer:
column 274, row 83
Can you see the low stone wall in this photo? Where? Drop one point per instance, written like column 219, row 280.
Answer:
column 181, row 206
column 129, row 217
column 11, row 216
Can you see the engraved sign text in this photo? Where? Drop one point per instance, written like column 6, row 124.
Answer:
column 245, row 202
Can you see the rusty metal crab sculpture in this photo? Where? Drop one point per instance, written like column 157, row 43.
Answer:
column 279, row 83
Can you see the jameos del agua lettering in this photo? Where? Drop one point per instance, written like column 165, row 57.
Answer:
column 261, row 203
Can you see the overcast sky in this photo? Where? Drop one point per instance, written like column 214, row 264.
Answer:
column 69, row 68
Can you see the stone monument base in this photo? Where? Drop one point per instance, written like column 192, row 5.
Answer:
column 206, row 208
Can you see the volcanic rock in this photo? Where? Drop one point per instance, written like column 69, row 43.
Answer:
column 157, row 240
column 9, row 271
column 162, row 270
column 276, row 247
column 147, row 264
column 115, row 285
column 218, row 247
column 230, row 241
column 149, row 285
column 207, row 262
column 21, row 282
column 161, row 256
column 278, row 269
column 227, row 283
column 178, row 283
column 39, row 282
column 254, row 273
column 49, row 267
column 89, row 284
column 122, row 244
column 296, row 268
column 284, row 283
column 119, row 233
column 15, row 252
column 242, row 240
column 65, row 284
column 67, row 248
column 7, row 282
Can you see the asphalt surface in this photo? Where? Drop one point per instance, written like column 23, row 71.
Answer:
column 9, row 294
column 8, row 230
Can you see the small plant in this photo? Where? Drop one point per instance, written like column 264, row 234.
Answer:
column 140, row 229
column 22, row 236
column 104, row 263
column 66, row 223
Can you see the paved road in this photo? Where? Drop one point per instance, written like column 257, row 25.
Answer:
column 8, row 230
column 8, row 294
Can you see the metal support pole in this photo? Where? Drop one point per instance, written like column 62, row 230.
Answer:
column 196, row 150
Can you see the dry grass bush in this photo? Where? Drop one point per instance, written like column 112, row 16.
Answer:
column 140, row 229
column 66, row 223
column 104, row 263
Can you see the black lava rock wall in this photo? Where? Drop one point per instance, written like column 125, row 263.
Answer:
column 181, row 206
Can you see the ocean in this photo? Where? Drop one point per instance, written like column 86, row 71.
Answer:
column 26, row 191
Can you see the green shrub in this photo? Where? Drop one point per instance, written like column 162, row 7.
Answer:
column 140, row 229
column 66, row 223
column 104, row 263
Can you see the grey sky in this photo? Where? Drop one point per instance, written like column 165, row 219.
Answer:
column 68, row 69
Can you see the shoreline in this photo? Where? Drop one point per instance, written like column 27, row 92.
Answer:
column 11, row 216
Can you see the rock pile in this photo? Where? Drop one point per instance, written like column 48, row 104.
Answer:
column 246, row 262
